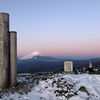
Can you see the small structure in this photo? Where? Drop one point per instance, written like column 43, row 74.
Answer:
column 90, row 67
column 68, row 66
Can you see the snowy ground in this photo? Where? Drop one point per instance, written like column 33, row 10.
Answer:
column 55, row 87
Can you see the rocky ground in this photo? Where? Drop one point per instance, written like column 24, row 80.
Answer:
column 60, row 88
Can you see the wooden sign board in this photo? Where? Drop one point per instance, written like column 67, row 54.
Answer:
column 68, row 66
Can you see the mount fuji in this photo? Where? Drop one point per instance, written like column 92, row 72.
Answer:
column 32, row 55
column 37, row 56
column 37, row 62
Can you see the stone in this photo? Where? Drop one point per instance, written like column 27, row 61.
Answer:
column 13, row 58
column 4, row 51
column 8, row 53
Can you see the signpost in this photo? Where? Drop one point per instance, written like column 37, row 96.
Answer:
column 68, row 66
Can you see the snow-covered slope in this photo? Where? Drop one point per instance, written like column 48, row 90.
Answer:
column 55, row 87
column 33, row 54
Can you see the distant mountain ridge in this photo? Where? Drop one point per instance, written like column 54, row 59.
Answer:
column 39, row 63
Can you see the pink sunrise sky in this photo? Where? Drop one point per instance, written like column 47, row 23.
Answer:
column 68, row 28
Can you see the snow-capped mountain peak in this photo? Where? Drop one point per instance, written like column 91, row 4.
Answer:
column 33, row 54
column 36, row 53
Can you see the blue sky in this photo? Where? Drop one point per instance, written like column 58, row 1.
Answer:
column 58, row 28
